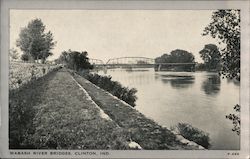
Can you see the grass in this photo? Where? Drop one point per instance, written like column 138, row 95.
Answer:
column 142, row 130
column 193, row 134
column 22, row 73
column 53, row 113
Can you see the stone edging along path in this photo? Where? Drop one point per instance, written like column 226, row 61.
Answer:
column 144, row 131
column 131, row 144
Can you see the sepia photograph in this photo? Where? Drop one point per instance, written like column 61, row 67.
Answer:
column 124, row 79
column 133, row 79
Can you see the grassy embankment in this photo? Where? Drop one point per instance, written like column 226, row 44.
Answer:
column 54, row 113
column 142, row 130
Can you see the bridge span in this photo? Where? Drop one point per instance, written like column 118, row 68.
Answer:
column 141, row 62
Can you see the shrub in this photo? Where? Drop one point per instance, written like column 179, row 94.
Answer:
column 22, row 73
column 25, row 57
column 235, row 119
column 75, row 60
column 113, row 87
column 194, row 134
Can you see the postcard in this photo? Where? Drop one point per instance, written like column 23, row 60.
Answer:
column 124, row 79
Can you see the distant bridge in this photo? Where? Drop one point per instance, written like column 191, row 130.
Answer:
column 139, row 62
column 96, row 61
column 130, row 62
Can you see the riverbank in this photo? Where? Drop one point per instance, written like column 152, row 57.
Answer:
column 196, row 98
column 61, row 111
column 147, row 133
column 57, row 114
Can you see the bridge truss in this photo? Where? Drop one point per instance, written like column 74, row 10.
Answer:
column 96, row 61
column 131, row 61
column 140, row 62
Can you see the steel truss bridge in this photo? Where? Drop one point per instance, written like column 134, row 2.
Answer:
column 136, row 62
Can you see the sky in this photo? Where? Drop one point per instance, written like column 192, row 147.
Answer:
column 106, row 34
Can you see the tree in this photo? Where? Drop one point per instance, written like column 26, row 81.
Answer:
column 211, row 56
column 14, row 55
column 162, row 59
column 225, row 27
column 75, row 60
column 176, row 56
column 180, row 56
column 34, row 42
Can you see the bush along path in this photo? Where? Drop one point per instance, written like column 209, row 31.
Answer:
column 56, row 113
column 148, row 134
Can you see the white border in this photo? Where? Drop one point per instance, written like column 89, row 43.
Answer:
column 130, row 5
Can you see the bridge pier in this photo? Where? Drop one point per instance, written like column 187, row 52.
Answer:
column 159, row 68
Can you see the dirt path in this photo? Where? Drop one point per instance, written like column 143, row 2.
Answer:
column 56, row 113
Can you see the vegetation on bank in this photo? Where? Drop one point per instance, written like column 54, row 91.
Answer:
column 79, row 62
column 22, row 112
column 211, row 57
column 144, row 131
column 75, row 60
column 42, row 118
column 115, row 88
column 21, row 73
column 235, row 119
column 176, row 56
column 225, row 27
column 193, row 134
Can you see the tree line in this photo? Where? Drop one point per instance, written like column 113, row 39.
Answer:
column 210, row 55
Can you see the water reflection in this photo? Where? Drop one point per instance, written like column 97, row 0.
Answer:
column 211, row 85
column 177, row 81
column 234, row 81
column 182, row 82
column 200, row 98
column 137, row 70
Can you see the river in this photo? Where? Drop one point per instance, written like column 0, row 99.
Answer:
column 201, row 99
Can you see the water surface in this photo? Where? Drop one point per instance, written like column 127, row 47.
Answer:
column 202, row 99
